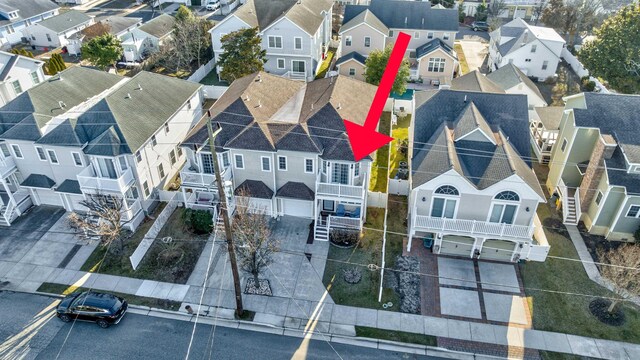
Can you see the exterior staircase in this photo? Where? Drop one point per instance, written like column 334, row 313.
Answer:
column 571, row 216
column 321, row 230
column 3, row 221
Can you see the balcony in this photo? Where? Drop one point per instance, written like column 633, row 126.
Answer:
column 7, row 164
column 89, row 180
column 472, row 228
column 194, row 178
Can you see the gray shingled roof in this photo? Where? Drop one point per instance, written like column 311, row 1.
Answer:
column 254, row 188
column 8, row 66
column 352, row 55
column 475, row 81
column 400, row 14
column 38, row 181
column 509, row 76
column 65, row 21
column 304, row 13
column 116, row 24
column 550, row 116
column 69, row 187
column 63, row 135
column 433, row 45
column 296, row 190
column 501, row 116
column 631, row 181
column 366, row 17
column 160, row 26
column 26, row 9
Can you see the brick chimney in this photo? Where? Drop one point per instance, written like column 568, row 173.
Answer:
column 603, row 149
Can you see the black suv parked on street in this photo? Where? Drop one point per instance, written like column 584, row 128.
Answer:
column 103, row 309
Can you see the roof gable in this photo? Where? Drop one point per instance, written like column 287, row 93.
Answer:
column 400, row 14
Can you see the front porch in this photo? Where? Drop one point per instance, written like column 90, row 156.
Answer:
column 335, row 214
column 542, row 140
column 14, row 200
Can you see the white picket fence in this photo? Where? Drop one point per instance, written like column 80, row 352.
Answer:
column 580, row 70
column 214, row 92
column 153, row 232
column 399, row 187
column 202, row 71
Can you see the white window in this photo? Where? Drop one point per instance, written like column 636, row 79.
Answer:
column 429, row 35
column 161, row 171
column 352, row 72
column 77, row 159
column 599, row 197
column 634, row 211
column 52, row 156
column 533, row 48
column 282, row 163
column 545, row 64
column 347, row 41
column 41, row 155
column 225, row 159
column 564, row 144
column 48, row 37
column 179, row 151
column 275, row 42
column 172, row 157
column 297, row 43
column 281, row 63
column 416, row 35
column 445, row 36
column 308, row 166
column 504, row 208
column 5, row 150
column 145, row 188
column 35, row 78
column 390, row 33
column 266, row 163
column 367, row 41
column 298, row 66
column 166, row 125
column 10, row 29
column 239, row 161
column 444, row 202
column 16, row 151
column 436, row 64
column 356, row 170
column 16, row 87
column 138, row 156
column 154, row 141
column 188, row 108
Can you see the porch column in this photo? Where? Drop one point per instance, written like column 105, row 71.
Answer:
column 184, row 196
column 438, row 242
column 477, row 245
column 6, row 188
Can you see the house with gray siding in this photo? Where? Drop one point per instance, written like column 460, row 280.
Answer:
column 57, row 31
column 18, row 15
column 295, row 33
column 283, row 145
column 473, row 191
column 17, row 74
column 376, row 25
column 86, row 133
column 595, row 164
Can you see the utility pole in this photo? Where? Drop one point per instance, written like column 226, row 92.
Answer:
column 225, row 216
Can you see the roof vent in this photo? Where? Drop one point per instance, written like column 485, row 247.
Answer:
column 259, row 103
column 62, row 105
column 422, row 21
column 465, row 98
column 406, row 21
column 311, row 106
column 339, row 106
column 128, row 96
column 139, row 87
column 247, row 98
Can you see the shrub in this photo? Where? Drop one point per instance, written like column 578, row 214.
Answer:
column 589, row 85
column 198, row 221
column 342, row 237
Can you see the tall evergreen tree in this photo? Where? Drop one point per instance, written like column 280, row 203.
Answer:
column 243, row 54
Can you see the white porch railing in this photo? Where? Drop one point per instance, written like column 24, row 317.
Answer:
column 6, row 164
column 563, row 193
column 576, row 197
column 343, row 222
column 89, row 180
column 132, row 211
column 340, row 190
column 472, row 227
column 193, row 178
column 294, row 75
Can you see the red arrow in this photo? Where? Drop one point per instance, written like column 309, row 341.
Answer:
column 365, row 139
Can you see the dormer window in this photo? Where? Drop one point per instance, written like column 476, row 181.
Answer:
column 13, row 15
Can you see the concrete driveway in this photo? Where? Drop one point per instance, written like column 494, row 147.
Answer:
column 18, row 239
column 476, row 52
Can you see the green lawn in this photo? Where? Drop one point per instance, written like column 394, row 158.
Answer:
column 324, row 67
column 154, row 266
column 562, row 312
column 464, row 67
column 132, row 299
column 396, row 223
column 401, row 336
column 399, row 132
column 212, row 79
column 380, row 166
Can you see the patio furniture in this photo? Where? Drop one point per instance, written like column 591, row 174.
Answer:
column 428, row 241
column 355, row 213
column 340, row 210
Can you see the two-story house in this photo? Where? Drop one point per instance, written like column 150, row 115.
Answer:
column 18, row 74
column 146, row 39
column 283, row 143
column 524, row 9
column 472, row 192
column 372, row 27
column 533, row 49
column 513, row 81
column 295, row 33
column 56, row 31
column 16, row 15
column 88, row 133
column 595, row 164
column 118, row 26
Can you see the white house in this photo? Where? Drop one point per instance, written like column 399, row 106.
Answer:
column 533, row 49
column 92, row 133
column 18, row 74
column 295, row 33
column 472, row 192
column 139, row 42
column 17, row 15
column 56, row 31
column 118, row 26
column 514, row 81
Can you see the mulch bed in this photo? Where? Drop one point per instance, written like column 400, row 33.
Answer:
column 597, row 243
column 599, row 308
column 263, row 289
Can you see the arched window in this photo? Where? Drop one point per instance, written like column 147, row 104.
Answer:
column 508, row 196
column 447, row 190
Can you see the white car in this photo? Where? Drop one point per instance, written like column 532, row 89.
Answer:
column 213, row 5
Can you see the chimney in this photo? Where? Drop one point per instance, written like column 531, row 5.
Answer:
column 602, row 150
column 610, row 146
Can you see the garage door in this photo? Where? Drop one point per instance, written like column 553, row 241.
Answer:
column 456, row 245
column 262, row 205
column 500, row 250
column 521, row 13
column 49, row 197
column 74, row 201
column 300, row 208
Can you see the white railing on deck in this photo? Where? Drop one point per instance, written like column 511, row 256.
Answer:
column 563, row 193
column 340, row 190
column 190, row 177
column 472, row 227
column 6, row 164
column 293, row 75
column 343, row 222
column 89, row 180
column 576, row 197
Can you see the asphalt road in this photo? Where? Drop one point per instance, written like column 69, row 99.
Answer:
column 42, row 336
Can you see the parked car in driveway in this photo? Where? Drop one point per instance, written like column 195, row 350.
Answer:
column 213, row 5
column 103, row 309
column 479, row 26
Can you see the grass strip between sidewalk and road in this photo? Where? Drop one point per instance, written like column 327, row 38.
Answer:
column 400, row 336
column 60, row 289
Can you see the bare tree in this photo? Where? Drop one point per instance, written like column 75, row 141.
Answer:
column 98, row 29
column 572, row 17
column 190, row 41
column 538, row 9
column 103, row 219
column 252, row 237
column 494, row 9
column 623, row 271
